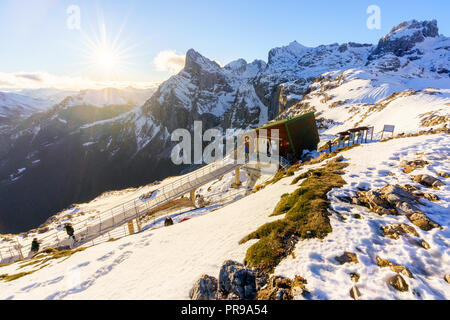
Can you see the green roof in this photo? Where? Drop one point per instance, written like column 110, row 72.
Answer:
column 286, row 121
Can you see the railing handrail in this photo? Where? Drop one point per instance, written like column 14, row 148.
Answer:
column 160, row 198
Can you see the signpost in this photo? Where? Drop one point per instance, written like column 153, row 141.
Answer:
column 387, row 128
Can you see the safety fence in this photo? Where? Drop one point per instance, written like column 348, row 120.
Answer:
column 121, row 219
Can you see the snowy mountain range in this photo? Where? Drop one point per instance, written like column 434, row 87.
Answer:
column 16, row 106
column 91, row 142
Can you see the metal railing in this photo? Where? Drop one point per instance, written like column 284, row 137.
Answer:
column 106, row 222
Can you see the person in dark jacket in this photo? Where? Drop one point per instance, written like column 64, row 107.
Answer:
column 70, row 231
column 35, row 246
column 168, row 222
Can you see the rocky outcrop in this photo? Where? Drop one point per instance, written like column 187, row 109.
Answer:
column 419, row 193
column 383, row 201
column 239, row 282
column 402, row 38
column 205, row 288
column 242, row 282
column 397, row 200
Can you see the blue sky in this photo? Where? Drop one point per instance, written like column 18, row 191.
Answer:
column 35, row 37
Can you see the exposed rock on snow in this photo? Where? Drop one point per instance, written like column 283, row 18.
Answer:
column 355, row 277
column 428, row 181
column 355, row 293
column 410, row 166
column 424, row 244
column 374, row 201
column 421, row 220
column 282, row 288
column 205, row 288
column 383, row 263
column 444, row 174
column 347, row 257
column 240, row 281
column 398, row 283
column 393, row 199
column 447, row 278
column 395, row 231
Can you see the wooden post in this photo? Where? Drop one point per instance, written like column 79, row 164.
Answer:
column 19, row 249
column 138, row 223
column 237, row 179
column 192, row 197
column 130, row 227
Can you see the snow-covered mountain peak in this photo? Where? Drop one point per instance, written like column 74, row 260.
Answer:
column 13, row 105
column 243, row 69
column 237, row 66
column 196, row 63
column 292, row 51
column 426, row 28
column 402, row 38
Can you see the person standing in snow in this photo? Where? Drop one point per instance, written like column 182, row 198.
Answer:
column 34, row 246
column 70, row 231
column 269, row 148
column 168, row 222
column 247, row 149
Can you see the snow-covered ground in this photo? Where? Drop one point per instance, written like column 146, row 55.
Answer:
column 356, row 98
column 155, row 264
column 100, row 209
column 369, row 169
column 164, row 263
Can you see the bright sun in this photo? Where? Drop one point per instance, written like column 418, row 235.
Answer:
column 105, row 57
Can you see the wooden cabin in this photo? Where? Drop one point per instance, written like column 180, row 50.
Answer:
column 294, row 136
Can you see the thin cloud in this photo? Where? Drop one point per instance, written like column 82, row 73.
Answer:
column 37, row 80
column 169, row 60
column 31, row 76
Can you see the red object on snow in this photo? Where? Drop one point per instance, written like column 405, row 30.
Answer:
column 184, row 219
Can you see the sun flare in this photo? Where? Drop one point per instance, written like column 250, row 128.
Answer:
column 104, row 55
column 106, row 58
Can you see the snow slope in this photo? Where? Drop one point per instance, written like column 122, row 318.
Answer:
column 361, row 98
column 164, row 263
column 369, row 169
column 13, row 105
column 156, row 264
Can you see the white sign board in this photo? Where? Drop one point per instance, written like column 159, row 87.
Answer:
column 388, row 128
